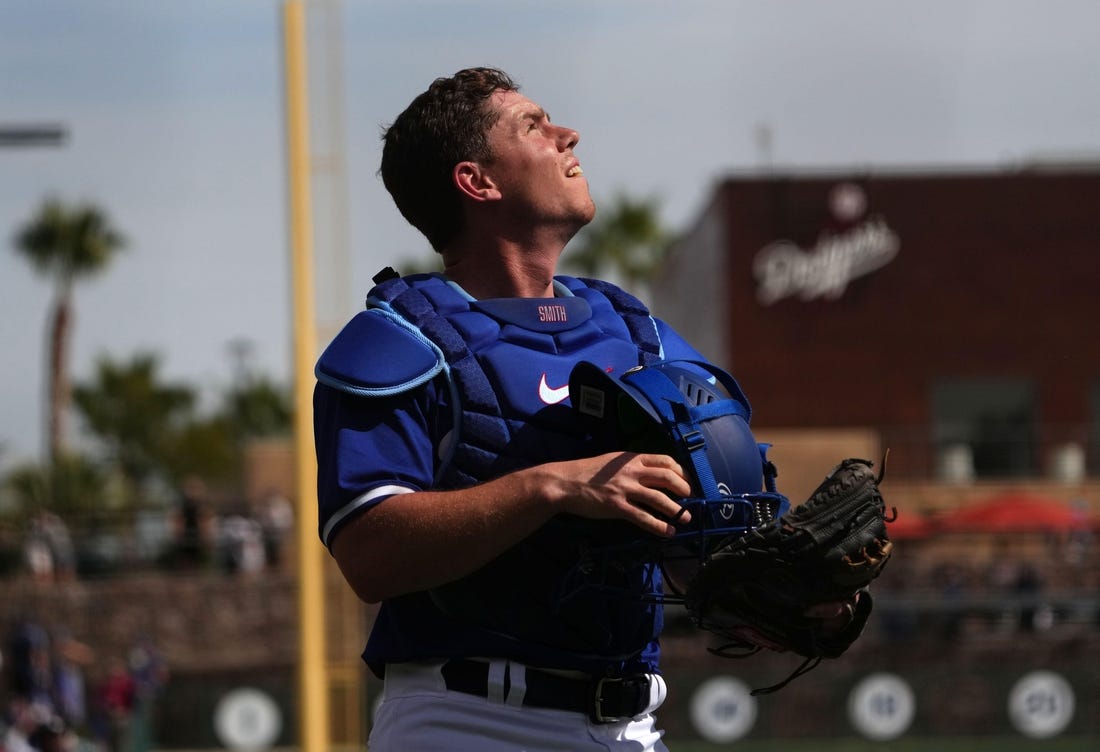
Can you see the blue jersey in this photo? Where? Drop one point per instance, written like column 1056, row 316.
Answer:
column 495, row 400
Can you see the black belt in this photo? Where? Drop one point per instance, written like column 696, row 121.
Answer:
column 606, row 700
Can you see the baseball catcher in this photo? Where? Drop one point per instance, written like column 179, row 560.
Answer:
column 750, row 569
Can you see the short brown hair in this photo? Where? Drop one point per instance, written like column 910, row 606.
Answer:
column 447, row 124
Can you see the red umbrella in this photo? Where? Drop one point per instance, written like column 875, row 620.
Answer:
column 909, row 525
column 1015, row 513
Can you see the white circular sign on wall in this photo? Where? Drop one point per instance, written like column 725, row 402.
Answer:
column 723, row 709
column 882, row 706
column 1041, row 704
column 247, row 719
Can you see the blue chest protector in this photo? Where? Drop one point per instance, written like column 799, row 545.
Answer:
column 505, row 364
column 508, row 363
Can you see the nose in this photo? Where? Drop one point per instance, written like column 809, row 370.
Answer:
column 567, row 138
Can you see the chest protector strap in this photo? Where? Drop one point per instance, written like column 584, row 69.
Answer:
column 638, row 320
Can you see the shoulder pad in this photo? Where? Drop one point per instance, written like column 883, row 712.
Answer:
column 377, row 354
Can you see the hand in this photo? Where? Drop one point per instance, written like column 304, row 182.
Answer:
column 639, row 488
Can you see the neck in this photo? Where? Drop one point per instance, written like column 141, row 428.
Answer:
column 504, row 279
column 500, row 268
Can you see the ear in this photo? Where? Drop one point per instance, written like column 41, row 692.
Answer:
column 474, row 182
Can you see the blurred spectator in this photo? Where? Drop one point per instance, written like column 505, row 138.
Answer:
column 951, row 582
column 24, row 718
column 32, row 727
column 192, row 525
column 277, row 520
column 51, row 736
column 61, row 545
column 1003, row 572
column 48, row 549
column 240, row 543
column 1081, row 542
column 1028, row 587
column 31, row 672
column 149, row 673
column 114, row 707
column 37, row 555
column 71, row 658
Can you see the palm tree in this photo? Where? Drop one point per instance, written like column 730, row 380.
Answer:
column 626, row 241
column 134, row 414
column 64, row 244
column 152, row 432
column 74, row 488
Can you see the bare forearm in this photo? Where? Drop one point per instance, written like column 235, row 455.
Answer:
column 416, row 541
column 420, row 540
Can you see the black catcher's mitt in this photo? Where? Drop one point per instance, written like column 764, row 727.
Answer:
column 827, row 549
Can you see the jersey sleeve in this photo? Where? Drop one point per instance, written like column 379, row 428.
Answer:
column 368, row 448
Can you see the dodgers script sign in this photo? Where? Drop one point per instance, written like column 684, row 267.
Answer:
column 783, row 269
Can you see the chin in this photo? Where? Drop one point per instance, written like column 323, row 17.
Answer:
column 590, row 211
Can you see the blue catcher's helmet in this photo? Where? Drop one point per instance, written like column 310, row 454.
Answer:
column 697, row 413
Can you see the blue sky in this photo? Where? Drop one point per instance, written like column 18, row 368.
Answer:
column 174, row 114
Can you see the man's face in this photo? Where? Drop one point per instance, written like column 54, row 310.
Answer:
column 533, row 165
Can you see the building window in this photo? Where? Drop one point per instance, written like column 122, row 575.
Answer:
column 984, row 428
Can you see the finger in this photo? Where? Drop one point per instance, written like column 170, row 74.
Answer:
column 663, row 461
column 659, row 504
column 648, row 522
column 662, row 471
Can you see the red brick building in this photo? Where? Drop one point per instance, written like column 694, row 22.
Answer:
column 954, row 313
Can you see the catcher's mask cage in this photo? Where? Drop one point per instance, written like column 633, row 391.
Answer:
column 698, row 414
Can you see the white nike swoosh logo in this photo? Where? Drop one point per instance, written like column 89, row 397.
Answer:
column 551, row 395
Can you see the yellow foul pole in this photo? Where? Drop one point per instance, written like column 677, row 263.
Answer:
column 312, row 682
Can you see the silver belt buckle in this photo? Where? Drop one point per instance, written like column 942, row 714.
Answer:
column 597, row 702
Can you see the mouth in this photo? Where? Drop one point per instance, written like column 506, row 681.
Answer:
column 574, row 171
